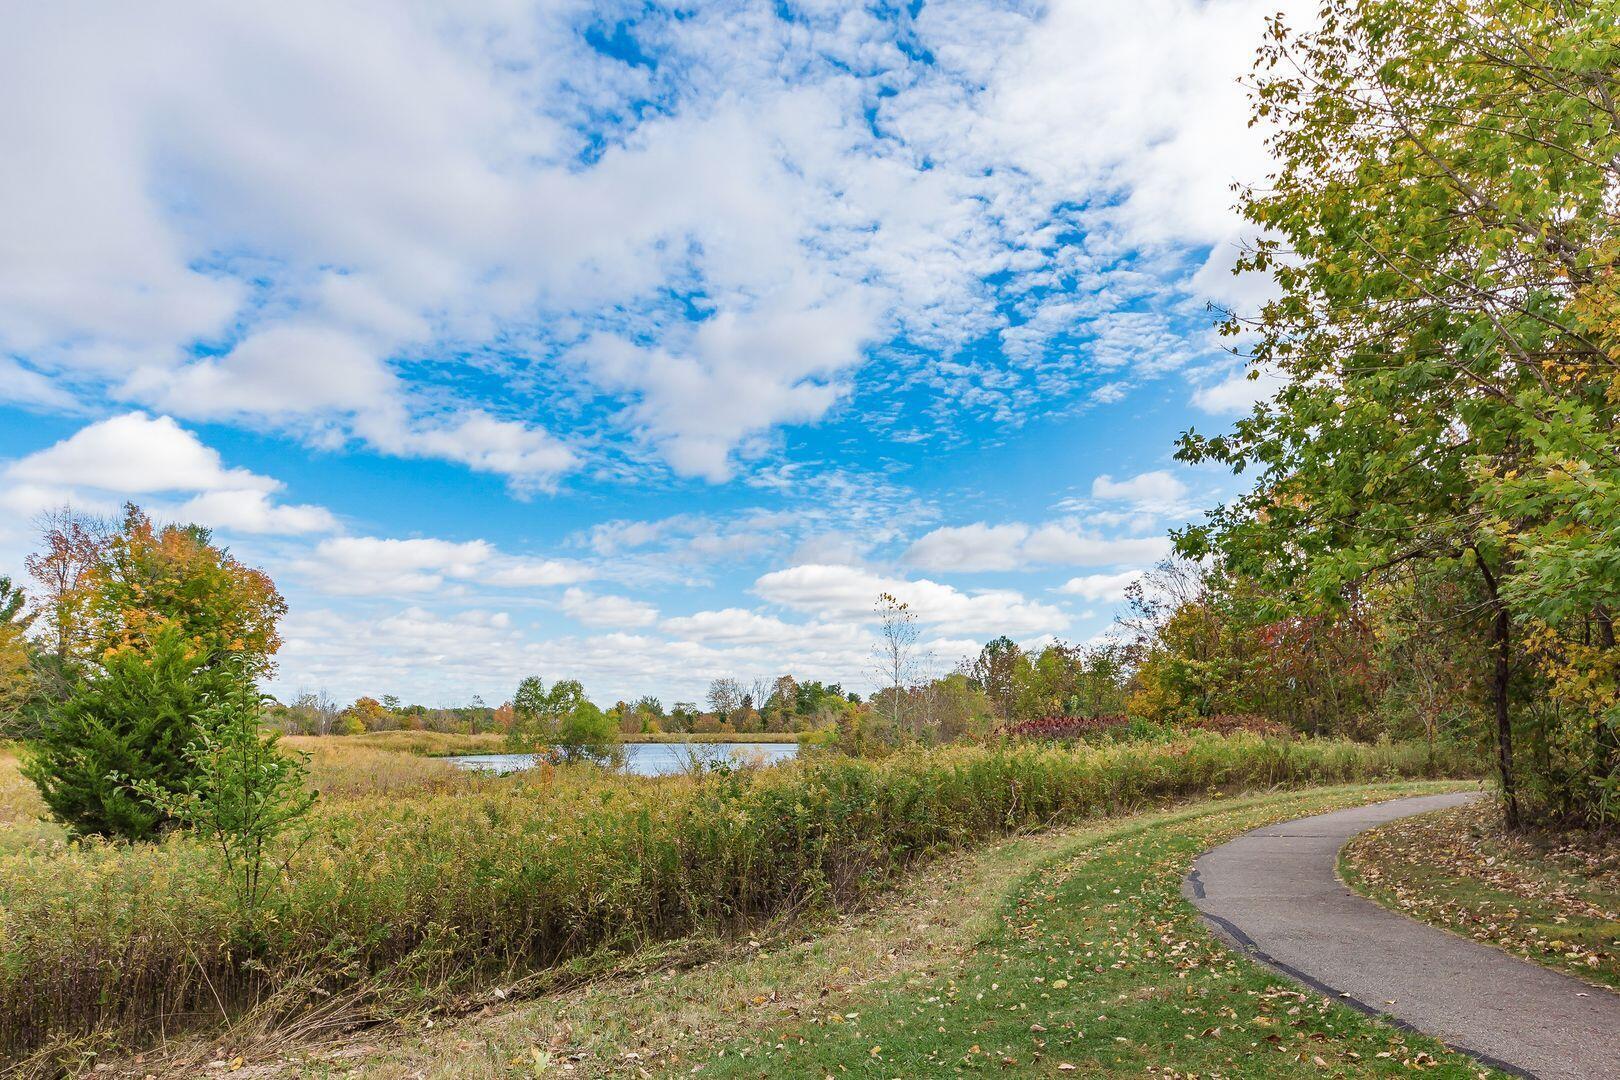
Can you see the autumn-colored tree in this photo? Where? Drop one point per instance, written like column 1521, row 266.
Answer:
column 148, row 578
column 72, row 545
column 369, row 715
column 725, row 697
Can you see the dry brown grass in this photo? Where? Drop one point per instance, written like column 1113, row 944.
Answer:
column 423, row 743
column 405, row 898
column 23, row 821
column 359, row 766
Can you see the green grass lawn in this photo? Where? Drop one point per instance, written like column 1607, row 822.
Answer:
column 1068, row 954
column 1551, row 899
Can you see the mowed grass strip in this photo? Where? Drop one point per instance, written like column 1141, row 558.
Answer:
column 1067, row 954
column 1548, row 898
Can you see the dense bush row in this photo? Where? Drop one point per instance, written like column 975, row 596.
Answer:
column 1066, row 728
column 1121, row 726
column 445, row 891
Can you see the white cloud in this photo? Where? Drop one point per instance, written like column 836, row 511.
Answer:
column 1106, row 588
column 135, row 454
column 1017, row 546
column 253, row 512
column 1064, row 544
column 849, row 593
column 21, row 386
column 289, row 369
column 979, row 546
column 1157, row 490
column 1165, row 117
column 139, row 456
column 600, row 610
column 740, row 626
column 347, row 565
column 370, row 565
column 227, row 216
column 532, row 573
column 734, row 375
column 1236, row 394
column 530, row 457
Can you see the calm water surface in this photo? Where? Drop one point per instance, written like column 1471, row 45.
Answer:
column 649, row 759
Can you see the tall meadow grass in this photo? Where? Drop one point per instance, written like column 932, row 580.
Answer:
column 490, row 879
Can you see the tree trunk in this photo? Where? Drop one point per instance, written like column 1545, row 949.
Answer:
column 1501, row 645
column 1605, row 736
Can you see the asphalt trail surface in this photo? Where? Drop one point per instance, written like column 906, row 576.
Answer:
column 1275, row 895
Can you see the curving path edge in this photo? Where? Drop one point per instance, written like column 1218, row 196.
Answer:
column 1275, row 895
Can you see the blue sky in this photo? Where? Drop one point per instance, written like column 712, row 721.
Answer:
column 632, row 343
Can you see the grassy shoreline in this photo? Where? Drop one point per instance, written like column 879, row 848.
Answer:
column 452, row 744
column 398, row 901
column 952, row 971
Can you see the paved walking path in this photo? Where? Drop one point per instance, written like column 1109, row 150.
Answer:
column 1275, row 894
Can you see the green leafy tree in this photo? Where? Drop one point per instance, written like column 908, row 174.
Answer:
column 1441, row 232
column 19, row 685
column 586, row 734
column 13, row 605
column 241, row 792
column 129, row 724
column 562, row 722
column 997, row 671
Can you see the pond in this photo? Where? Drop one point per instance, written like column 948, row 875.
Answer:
column 651, row 759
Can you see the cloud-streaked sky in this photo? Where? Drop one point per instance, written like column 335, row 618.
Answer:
column 623, row 342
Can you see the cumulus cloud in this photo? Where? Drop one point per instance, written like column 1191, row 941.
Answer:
column 134, row 453
column 253, row 512
column 530, row 457
column 979, row 546
column 226, row 216
column 1157, row 490
column 849, row 593
column 1237, row 393
column 741, row 626
column 22, row 386
column 1107, row 588
column 779, row 363
column 1017, row 546
column 533, row 573
column 370, row 565
column 137, row 455
column 602, row 610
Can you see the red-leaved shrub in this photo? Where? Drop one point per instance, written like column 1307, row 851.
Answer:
column 1061, row 728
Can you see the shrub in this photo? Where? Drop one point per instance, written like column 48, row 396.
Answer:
column 1230, row 723
column 128, row 724
column 243, row 792
column 587, row 734
column 431, row 894
column 1065, row 728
